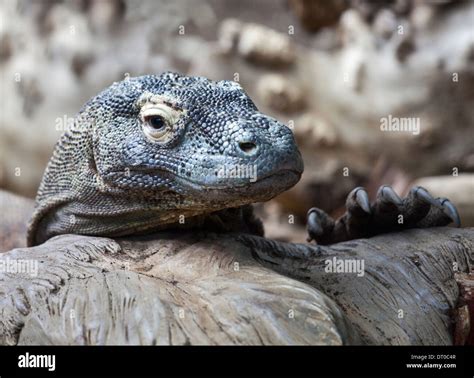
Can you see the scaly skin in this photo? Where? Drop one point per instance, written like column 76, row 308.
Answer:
column 155, row 152
column 149, row 152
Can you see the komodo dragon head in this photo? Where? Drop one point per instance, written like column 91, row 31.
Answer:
column 151, row 150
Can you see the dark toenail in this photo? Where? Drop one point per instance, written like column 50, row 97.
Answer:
column 387, row 193
column 422, row 193
column 450, row 210
column 363, row 200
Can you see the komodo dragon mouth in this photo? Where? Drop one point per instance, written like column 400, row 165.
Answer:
column 225, row 180
column 263, row 189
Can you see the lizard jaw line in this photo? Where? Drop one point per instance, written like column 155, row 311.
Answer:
column 286, row 177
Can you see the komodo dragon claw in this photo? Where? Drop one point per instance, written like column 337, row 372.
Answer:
column 389, row 212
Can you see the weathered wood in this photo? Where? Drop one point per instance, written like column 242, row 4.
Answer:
column 213, row 289
column 408, row 293
column 178, row 290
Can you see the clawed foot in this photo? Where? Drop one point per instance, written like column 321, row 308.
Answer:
column 386, row 214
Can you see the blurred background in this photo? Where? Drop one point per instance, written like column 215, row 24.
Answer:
column 333, row 71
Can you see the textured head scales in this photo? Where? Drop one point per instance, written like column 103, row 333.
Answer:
column 155, row 147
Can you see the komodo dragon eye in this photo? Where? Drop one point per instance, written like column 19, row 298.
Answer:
column 158, row 121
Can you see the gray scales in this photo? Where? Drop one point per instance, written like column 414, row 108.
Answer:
column 144, row 152
column 148, row 150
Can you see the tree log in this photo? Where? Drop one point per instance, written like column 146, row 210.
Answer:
column 206, row 288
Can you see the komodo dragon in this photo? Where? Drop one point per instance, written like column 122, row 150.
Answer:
column 154, row 152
